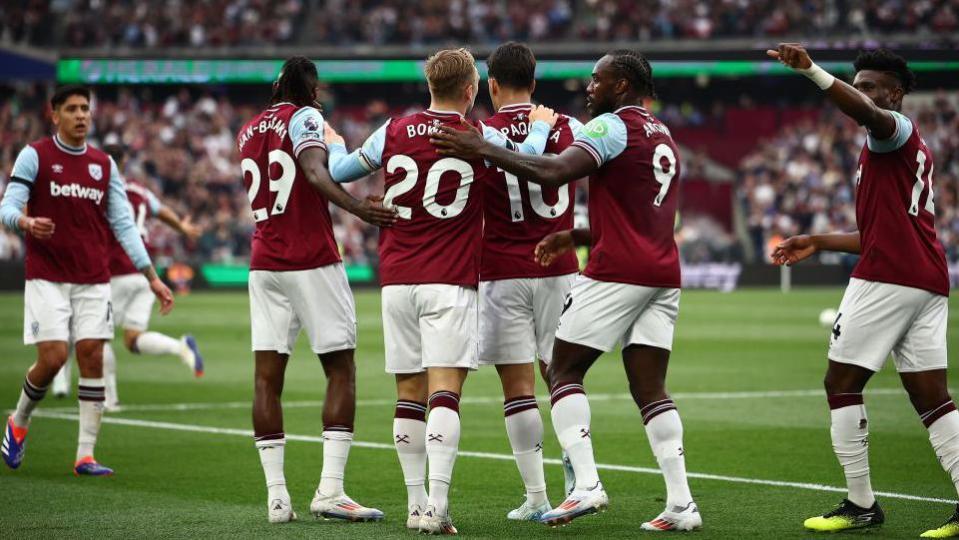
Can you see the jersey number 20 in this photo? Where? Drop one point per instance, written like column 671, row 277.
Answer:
column 442, row 211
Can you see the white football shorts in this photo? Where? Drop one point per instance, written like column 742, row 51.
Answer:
column 66, row 311
column 600, row 314
column 132, row 301
column 876, row 318
column 430, row 325
column 318, row 301
column 518, row 318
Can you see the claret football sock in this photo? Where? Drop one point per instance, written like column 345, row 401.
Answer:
column 442, row 443
column 571, row 417
column 665, row 432
column 850, row 442
column 157, row 343
column 30, row 397
column 409, row 437
column 336, row 450
column 524, row 426
column 90, row 393
column 270, row 448
column 943, row 425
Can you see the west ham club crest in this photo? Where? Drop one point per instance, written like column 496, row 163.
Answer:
column 96, row 171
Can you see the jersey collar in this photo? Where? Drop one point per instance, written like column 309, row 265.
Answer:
column 63, row 147
column 637, row 107
column 515, row 107
column 431, row 112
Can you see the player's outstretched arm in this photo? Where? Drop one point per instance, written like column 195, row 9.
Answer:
column 370, row 209
column 798, row 248
column 856, row 105
column 541, row 121
column 553, row 245
column 468, row 143
column 183, row 225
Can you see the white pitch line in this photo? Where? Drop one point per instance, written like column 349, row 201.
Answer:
column 477, row 400
column 487, row 455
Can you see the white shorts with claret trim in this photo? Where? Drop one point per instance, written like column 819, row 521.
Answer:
column 132, row 301
column 318, row 301
column 55, row 311
column 430, row 325
column 518, row 318
column 602, row 314
column 876, row 319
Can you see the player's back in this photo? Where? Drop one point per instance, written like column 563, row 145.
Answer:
column 143, row 204
column 293, row 226
column 518, row 213
column 895, row 212
column 438, row 236
column 632, row 199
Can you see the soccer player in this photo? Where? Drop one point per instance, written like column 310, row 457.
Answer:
column 77, row 204
column 897, row 298
column 519, row 300
column 132, row 301
column 429, row 270
column 297, row 282
column 629, row 292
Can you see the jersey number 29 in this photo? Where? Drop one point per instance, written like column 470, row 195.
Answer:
column 282, row 185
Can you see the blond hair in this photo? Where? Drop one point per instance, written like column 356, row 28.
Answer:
column 448, row 71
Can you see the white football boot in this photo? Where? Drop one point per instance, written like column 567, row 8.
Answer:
column 433, row 523
column 342, row 507
column 281, row 511
column 527, row 512
column 413, row 517
column 676, row 519
column 581, row 502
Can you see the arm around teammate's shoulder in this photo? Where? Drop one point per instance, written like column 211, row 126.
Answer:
column 370, row 209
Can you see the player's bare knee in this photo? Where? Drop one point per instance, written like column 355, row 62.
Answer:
column 517, row 380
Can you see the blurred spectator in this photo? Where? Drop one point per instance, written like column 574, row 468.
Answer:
column 125, row 23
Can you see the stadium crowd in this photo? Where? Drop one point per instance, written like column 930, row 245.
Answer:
column 803, row 180
column 182, row 147
column 124, row 23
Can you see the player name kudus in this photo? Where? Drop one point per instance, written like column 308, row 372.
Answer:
column 76, row 190
column 271, row 123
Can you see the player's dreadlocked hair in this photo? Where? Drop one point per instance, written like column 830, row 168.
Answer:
column 888, row 62
column 296, row 82
column 633, row 66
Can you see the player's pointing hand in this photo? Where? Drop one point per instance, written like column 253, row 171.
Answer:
column 463, row 141
column 792, row 55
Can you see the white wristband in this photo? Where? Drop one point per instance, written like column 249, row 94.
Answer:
column 818, row 75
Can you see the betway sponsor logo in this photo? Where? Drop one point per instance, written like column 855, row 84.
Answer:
column 76, row 190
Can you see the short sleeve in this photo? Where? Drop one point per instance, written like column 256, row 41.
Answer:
column 575, row 126
column 153, row 202
column 898, row 139
column 604, row 137
column 306, row 130
column 26, row 167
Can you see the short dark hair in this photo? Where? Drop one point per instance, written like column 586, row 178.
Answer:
column 633, row 66
column 295, row 83
column 513, row 65
column 62, row 93
column 117, row 151
column 888, row 62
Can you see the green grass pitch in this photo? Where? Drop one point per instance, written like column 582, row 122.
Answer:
column 193, row 473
